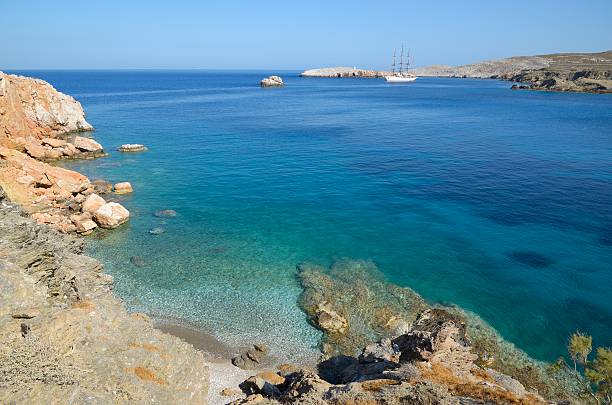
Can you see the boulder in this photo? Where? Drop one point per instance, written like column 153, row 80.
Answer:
column 35, row 150
column 111, row 215
column 102, row 186
column 85, row 226
column 54, row 142
column 123, row 188
column 252, row 358
column 165, row 214
column 92, row 203
column 272, row 81
column 87, row 144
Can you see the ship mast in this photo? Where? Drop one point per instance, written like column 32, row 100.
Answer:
column 393, row 65
column 401, row 60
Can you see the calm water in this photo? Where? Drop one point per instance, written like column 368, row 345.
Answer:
column 463, row 190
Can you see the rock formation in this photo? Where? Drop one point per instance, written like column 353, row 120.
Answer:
column 36, row 123
column 272, row 81
column 132, row 147
column 432, row 363
column 363, row 308
column 32, row 107
column 65, row 338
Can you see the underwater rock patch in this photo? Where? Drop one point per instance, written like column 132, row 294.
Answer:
column 531, row 259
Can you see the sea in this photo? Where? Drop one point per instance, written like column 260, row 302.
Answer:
column 463, row 190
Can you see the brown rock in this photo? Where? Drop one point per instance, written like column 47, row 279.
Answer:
column 230, row 392
column 271, row 377
column 85, row 226
column 34, row 149
column 54, row 142
column 87, row 144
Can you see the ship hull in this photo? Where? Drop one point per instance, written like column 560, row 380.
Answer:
column 399, row 79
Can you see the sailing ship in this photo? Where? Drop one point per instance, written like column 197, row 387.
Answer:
column 400, row 75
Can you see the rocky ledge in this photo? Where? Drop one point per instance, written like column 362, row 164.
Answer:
column 64, row 335
column 37, row 125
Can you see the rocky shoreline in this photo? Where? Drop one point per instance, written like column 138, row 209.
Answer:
column 570, row 72
column 39, row 125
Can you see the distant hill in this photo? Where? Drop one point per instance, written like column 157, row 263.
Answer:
column 579, row 72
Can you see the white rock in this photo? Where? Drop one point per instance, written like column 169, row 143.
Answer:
column 123, row 188
column 111, row 215
column 272, row 81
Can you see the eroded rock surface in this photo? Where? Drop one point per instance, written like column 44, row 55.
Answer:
column 272, row 81
column 65, row 337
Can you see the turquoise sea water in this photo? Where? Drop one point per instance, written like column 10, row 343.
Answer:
column 499, row 201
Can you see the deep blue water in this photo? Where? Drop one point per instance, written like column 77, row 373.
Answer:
column 499, row 201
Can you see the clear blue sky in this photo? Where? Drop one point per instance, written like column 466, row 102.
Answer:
column 285, row 34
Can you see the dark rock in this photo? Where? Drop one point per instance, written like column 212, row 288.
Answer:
column 531, row 259
column 102, row 186
column 165, row 214
column 137, row 261
column 25, row 329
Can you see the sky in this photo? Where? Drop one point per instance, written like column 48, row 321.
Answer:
column 285, row 34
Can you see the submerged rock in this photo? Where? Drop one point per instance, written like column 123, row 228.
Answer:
column 138, row 261
column 272, row 81
column 253, row 358
column 165, row 214
column 157, row 231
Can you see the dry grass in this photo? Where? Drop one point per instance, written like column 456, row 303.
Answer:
column 377, row 385
column 442, row 375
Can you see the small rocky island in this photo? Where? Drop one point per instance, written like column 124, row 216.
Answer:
column 574, row 72
column 272, row 81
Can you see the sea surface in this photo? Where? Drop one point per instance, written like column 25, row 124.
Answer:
column 499, row 201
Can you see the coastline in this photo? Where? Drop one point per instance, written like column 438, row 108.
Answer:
column 216, row 354
column 565, row 72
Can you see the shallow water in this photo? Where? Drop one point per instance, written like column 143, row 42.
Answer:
column 496, row 200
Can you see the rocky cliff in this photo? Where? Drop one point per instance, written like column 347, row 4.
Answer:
column 66, row 339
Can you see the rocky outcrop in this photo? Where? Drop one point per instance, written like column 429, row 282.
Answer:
column 272, row 81
column 332, row 72
column 408, row 330
column 432, row 363
column 36, row 123
column 66, row 338
column 32, row 107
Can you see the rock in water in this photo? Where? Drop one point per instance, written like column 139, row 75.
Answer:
column 165, row 214
column 123, row 188
column 132, row 147
column 137, row 261
column 156, row 231
column 272, row 81
column 87, row 144
column 111, row 215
